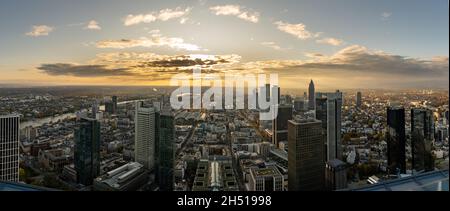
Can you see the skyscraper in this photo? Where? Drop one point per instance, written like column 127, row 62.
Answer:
column 422, row 137
column 396, row 139
column 306, row 164
column 165, row 151
column 268, row 90
column 114, row 101
column 95, row 109
column 312, row 96
column 299, row 104
column 321, row 114
column 359, row 99
column 280, row 124
column 334, row 110
column 328, row 110
column 87, row 151
column 146, row 134
column 9, row 147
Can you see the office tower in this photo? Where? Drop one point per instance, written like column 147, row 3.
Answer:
column 95, row 109
column 321, row 111
column 312, row 96
column 280, row 124
column 87, row 151
column 268, row 90
column 336, row 175
column 299, row 105
column 334, row 110
column 165, row 151
column 306, row 164
column 396, row 139
column 146, row 134
column 321, row 114
column 265, row 179
column 359, row 99
column 114, row 101
column 109, row 107
column 422, row 137
column 279, row 93
column 328, row 110
column 9, row 147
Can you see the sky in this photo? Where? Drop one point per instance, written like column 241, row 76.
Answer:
column 339, row 43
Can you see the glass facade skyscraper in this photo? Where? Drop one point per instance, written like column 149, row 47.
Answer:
column 87, row 151
column 166, row 151
column 396, row 139
column 422, row 137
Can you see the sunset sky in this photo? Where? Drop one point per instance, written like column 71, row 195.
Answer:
column 339, row 43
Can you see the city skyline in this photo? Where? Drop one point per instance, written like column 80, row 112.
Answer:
column 386, row 44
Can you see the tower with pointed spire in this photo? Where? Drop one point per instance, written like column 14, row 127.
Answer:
column 311, row 96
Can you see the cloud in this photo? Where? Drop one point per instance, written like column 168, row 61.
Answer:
column 93, row 25
column 351, row 67
column 236, row 10
column 162, row 15
column 156, row 40
column 63, row 69
column 297, row 30
column 385, row 16
column 272, row 45
column 132, row 66
column 360, row 60
column 330, row 41
column 40, row 30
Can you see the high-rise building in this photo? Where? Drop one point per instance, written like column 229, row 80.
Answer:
column 328, row 110
column 146, row 134
column 312, row 96
column 299, row 105
column 306, row 164
column 265, row 179
column 278, row 89
column 321, row 111
column 334, row 110
column 9, row 147
column 111, row 106
column 165, row 151
column 94, row 110
column 280, row 124
column 321, row 114
column 268, row 90
column 336, row 175
column 422, row 137
column 114, row 101
column 87, row 151
column 396, row 139
column 359, row 99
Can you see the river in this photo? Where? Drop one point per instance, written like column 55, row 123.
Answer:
column 42, row 121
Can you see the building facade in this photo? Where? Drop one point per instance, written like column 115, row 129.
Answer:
column 87, row 151
column 166, row 151
column 422, row 138
column 396, row 139
column 9, row 147
column 146, row 135
column 306, row 164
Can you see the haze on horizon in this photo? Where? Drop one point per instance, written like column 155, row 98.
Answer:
column 340, row 44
